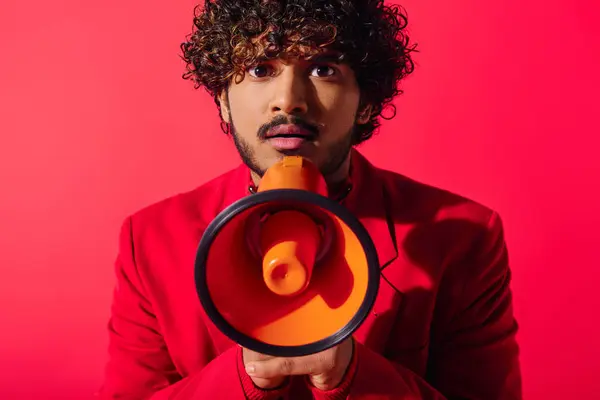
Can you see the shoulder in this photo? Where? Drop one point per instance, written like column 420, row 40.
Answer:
column 438, row 226
column 443, row 232
column 417, row 201
column 196, row 206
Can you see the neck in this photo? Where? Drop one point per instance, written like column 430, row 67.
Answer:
column 335, row 180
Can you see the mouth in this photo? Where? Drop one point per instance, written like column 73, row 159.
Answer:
column 289, row 137
column 290, row 131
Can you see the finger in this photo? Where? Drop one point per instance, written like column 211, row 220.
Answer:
column 285, row 366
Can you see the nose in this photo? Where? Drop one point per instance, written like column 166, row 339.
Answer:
column 289, row 93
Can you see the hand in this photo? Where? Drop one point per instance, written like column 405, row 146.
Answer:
column 325, row 369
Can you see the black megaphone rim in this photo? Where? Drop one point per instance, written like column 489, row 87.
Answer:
column 295, row 195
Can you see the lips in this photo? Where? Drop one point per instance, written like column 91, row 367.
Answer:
column 290, row 131
column 289, row 137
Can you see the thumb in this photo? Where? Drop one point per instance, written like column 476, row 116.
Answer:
column 322, row 381
column 275, row 367
column 270, row 368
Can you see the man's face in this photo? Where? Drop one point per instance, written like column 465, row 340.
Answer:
column 296, row 106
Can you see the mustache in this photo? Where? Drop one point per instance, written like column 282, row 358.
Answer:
column 284, row 120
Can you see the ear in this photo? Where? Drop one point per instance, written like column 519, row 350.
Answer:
column 224, row 105
column 364, row 115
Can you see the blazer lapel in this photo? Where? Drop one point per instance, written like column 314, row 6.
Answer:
column 367, row 201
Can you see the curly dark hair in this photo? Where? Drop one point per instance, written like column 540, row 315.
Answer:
column 229, row 36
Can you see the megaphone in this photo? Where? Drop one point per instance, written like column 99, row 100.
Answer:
column 287, row 271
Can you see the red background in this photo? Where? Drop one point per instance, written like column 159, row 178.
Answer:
column 96, row 123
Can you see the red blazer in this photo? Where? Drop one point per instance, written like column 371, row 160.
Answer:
column 442, row 326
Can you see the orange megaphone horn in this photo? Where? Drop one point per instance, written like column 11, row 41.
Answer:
column 287, row 271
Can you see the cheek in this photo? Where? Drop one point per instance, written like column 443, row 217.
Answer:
column 340, row 108
column 246, row 115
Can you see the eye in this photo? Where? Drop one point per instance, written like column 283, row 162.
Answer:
column 323, row 71
column 260, row 71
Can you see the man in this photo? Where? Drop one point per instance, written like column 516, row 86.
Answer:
column 311, row 78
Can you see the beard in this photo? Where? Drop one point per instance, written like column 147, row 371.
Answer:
column 337, row 153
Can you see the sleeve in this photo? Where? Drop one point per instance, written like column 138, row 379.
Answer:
column 371, row 376
column 473, row 352
column 139, row 365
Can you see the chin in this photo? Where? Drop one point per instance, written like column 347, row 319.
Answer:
column 295, row 152
column 303, row 151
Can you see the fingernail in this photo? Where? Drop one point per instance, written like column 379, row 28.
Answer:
column 250, row 369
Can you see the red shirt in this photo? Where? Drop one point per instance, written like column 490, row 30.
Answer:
column 442, row 326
